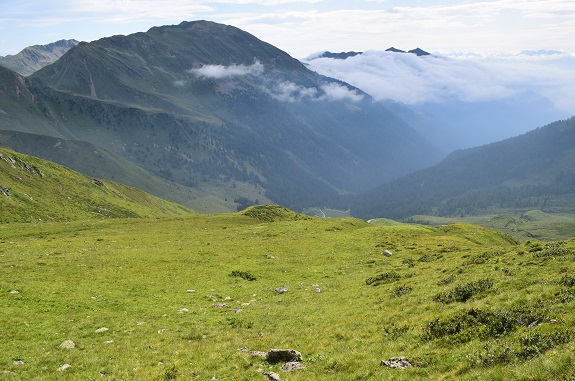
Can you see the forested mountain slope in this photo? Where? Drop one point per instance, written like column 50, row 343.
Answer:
column 534, row 170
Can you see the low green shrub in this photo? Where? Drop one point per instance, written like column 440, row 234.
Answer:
column 464, row 292
column 383, row 278
column 537, row 342
column 469, row 324
column 243, row 274
column 401, row 290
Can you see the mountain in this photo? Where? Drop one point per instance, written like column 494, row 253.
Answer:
column 208, row 105
column 32, row 190
column 35, row 57
column 531, row 171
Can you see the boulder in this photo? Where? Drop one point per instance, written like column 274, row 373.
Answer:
column 283, row 355
column 396, row 362
column 291, row 366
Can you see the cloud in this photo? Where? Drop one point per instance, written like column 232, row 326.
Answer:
column 220, row 71
column 409, row 79
column 287, row 91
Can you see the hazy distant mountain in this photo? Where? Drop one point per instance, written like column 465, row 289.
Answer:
column 210, row 106
column 531, row 171
column 36, row 57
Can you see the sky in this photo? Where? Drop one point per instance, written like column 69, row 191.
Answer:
column 303, row 27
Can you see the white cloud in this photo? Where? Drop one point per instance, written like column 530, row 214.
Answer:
column 410, row 79
column 287, row 91
column 336, row 92
column 220, row 71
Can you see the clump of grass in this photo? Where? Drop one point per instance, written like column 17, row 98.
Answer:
column 243, row 274
column 394, row 331
column 554, row 250
column 401, row 290
column 383, row 278
column 568, row 280
column 446, row 281
column 469, row 324
column 506, row 352
column 464, row 292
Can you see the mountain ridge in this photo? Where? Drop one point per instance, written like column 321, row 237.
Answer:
column 33, row 58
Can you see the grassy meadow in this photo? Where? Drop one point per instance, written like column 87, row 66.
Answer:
column 177, row 297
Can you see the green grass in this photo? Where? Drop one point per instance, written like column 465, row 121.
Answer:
column 532, row 224
column 133, row 276
column 39, row 190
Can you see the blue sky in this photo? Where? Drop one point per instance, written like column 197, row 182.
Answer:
column 303, row 27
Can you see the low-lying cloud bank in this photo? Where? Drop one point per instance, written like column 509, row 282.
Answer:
column 284, row 91
column 409, row 79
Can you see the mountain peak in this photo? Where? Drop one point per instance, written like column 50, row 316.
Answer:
column 419, row 52
column 33, row 58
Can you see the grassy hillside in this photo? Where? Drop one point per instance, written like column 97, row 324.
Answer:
column 33, row 189
column 177, row 298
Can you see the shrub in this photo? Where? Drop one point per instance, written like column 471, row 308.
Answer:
column 243, row 274
column 383, row 278
column 401, row 290
column 492, row 353
column 554, row 249
column 471, row 323
column 446, row 281
column 464, row 292
column 538, row 342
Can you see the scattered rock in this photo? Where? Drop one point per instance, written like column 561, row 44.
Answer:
column 181, row 311
column 68, row 344
column 97, row 182
column 283, row 355
column 534, row 324
column 109, row 342
column 317, row 289
column 100, row 330
column 254, row 353
column 18, row 363
column 396, row 362
column 221, row 305
column 272, row 376
column 14, row 292
column 387, row 253
column 237, row 310
column 190, row 291
column 64, row 367
column 291, row 366
column 5, row 191
column 281, row 290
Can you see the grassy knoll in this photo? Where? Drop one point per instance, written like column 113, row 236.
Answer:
column 179, row 296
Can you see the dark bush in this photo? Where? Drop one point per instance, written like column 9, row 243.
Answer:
column 243, row 274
